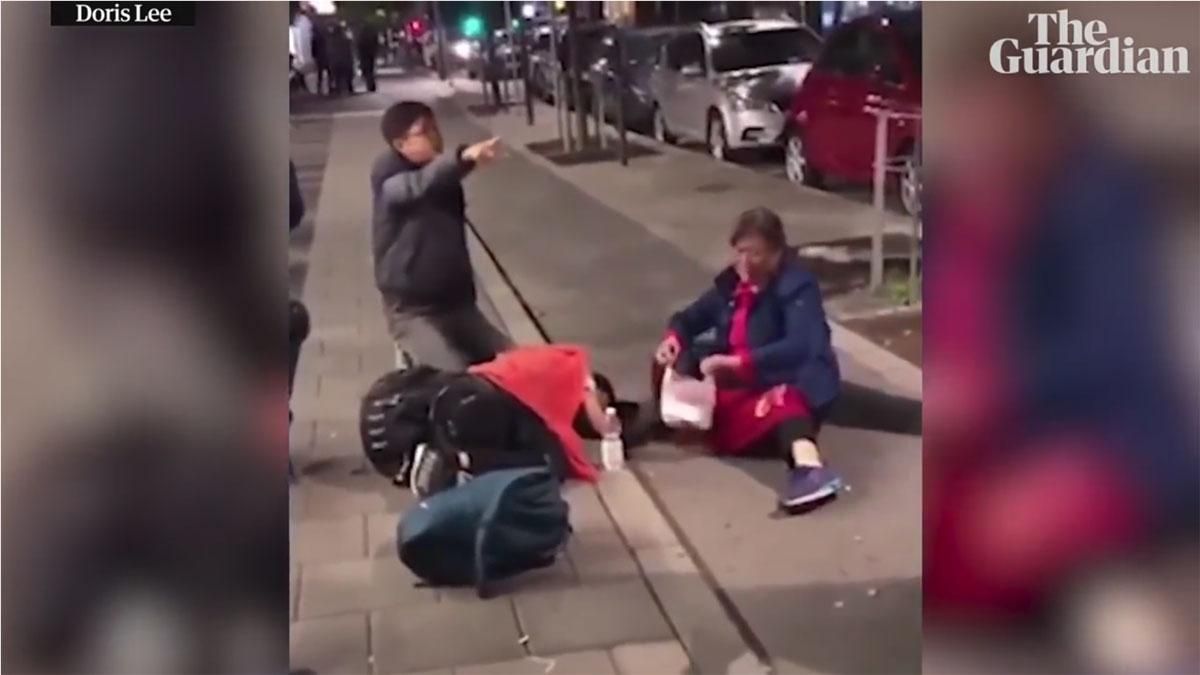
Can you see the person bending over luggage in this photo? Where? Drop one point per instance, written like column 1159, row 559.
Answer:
column 529, row 406
column 761, row 333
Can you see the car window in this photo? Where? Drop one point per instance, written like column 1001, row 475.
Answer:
column 908, row 27
column 880, row 57
column 756, row 49
column 685, row 50
column 590, row 47
column 847, row 52
column 671, row 54
column 640, row 48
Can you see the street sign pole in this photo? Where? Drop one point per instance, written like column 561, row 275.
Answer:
column 881, row 121
column 527, row 69
column 508, row 69
column 598, row 95
column 619, row 72
column 440, row 34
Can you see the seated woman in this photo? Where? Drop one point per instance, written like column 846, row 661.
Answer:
column 761, row 333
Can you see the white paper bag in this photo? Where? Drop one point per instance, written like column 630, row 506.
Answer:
column 687, row 403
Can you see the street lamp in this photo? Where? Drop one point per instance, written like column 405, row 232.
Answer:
column 528, row 10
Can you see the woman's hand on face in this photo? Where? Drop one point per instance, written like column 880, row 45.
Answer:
column 713, row 365
column 667, row 352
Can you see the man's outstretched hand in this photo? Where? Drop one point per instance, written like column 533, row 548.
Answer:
column 483, row 152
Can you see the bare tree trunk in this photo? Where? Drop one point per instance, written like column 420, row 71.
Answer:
column 440, row 34
column 576, row 75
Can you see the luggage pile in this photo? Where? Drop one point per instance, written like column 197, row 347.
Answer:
column 486, row 469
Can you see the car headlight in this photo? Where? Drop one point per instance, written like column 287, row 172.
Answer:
column 742, row 102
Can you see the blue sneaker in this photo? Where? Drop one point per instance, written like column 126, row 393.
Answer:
column 809, row 485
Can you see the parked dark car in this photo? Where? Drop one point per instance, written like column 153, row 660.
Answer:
column 642, row 49
column 873, row 61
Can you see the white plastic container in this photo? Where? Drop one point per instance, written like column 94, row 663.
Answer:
column 687, row 403
column 612, row 449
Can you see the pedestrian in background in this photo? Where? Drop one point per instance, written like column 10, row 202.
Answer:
column 320, row 53
column 491, row 70
column 367, row 42
column 422, row 266
column 300, row 37
column 341, row 58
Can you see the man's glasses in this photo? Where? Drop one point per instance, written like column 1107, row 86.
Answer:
column 431, row 131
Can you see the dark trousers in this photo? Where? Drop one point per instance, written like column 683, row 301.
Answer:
column 497, row 99
column 366, row 65
column 299, row 326
column 447, row 340
column 778, row 443
column 343, row 79
column 324, row 85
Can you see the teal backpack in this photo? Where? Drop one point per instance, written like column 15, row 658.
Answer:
column 492, row 527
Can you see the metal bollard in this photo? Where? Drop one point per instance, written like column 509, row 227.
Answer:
column 619, row 72
column 914, row 247
column 880, row 178
column 598, row 94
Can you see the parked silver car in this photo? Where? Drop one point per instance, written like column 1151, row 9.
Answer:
column 729, row 84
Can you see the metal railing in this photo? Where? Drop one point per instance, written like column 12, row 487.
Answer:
column 908, row 168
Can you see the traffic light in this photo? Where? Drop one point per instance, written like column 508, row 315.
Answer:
column 472, row 26
column 416, row 27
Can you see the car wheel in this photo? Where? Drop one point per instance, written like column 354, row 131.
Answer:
column 797, row 168
column 718, row 142
column 661, row 133
column 910, row 187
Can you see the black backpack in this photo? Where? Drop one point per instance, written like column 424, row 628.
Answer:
column 394, row 417
column 452, row 413
column 493, row 428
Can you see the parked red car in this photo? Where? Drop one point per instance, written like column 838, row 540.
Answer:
column 873, row 61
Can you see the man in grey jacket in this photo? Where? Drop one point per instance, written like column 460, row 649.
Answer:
column 422, row 265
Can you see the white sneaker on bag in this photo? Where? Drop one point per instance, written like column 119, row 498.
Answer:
column 431, row 472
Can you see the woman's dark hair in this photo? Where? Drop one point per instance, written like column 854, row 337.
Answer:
column 583, row 426
column 399, row 118
column 760, row 222
column 604, row 386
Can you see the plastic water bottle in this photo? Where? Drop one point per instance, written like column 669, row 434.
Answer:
column 612, row 450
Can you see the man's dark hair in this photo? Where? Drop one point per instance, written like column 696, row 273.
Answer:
column 400, row 117
column 760, row 222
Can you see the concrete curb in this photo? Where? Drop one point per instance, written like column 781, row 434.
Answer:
column 893, row 369
column 713, row 642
